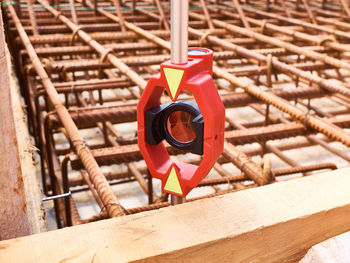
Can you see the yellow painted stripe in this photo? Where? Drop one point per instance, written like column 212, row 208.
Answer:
column 173, row 77
column 172, row 184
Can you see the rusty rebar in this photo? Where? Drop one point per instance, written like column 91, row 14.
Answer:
column 100, row 182
column 32, row 17
column 75, row 62
column 276, row 42
column 98, row 47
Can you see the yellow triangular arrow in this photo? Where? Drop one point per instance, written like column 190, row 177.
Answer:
column 173, row 77
column 172, row 184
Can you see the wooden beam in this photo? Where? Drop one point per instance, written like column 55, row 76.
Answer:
column 273, row 223
column 26, row 150
column 336, row 250
column 13, row 210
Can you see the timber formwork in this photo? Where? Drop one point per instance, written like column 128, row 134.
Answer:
column 83, row 66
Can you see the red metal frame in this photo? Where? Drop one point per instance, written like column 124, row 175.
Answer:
column 196, row 78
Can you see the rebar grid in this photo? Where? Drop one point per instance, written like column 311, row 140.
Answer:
column 281, row 68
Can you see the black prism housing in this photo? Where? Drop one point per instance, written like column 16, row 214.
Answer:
column 157, row 131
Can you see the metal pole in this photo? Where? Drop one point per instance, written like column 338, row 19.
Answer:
column 175, row 200
column 179, row 47
column 179, row 31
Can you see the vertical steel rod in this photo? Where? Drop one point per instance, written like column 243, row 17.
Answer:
column 175, row 200
column 179, row 31
column 179, row 47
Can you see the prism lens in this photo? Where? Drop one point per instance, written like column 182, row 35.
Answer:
column 180, row 127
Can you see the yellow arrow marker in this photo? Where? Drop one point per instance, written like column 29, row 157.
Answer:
column 173, row 77
column 172, row 184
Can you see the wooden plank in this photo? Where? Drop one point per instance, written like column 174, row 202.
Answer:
column 273, row 223
column 333, row 250
column 26, row 149
column 13, row 210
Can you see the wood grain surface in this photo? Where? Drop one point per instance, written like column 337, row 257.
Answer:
column 273, row 223
column 13, row 210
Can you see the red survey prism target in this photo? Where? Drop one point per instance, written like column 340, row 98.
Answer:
column 179, row 178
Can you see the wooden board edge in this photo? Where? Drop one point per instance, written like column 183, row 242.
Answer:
column 13, row 212
column 273, row 223
column 33, row 193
